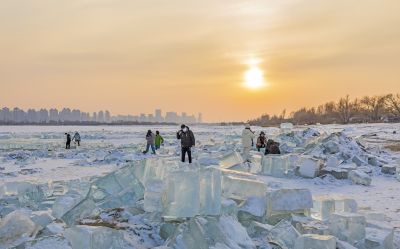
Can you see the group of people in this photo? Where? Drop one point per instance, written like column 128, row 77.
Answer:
column 76, row 138
column 248, row 136
column 184, row 134
column 155, row 141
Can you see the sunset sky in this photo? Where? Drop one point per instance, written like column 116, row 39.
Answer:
column 131, row 56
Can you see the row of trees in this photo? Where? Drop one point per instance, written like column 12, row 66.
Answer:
column 382, row 108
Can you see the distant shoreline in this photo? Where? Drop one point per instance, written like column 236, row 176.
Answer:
column 82, row 124
column 112, row 124
column 167, row 124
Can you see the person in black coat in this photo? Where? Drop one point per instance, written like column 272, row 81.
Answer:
column 68, row 144
column 272, row 147
column 187, row 141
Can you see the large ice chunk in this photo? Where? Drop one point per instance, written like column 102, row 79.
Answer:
column 138, row 169
column 211, row 232
column 15, row 229
column 274, row 165
column 230, row 160
column 283, row 234
column 42, row 218
column 307, row 225
column 182, row 194
column 66, row 202
column 229, row 207
column 29, row 195
column 389, row 169
column 253, row 209
column 82, row 210
column 292, row 161
column 257, row 229
column 153, row 196
column 314, row 241
column 348, row 166
column 331, row 147
column 241, row 188
column 323, row 208
column 309, row 167
column 359, row 177
column 349, row 227
column 283, row 202
column 91, row 237
column 338, row 173
column 378, row 239
column 210, row 191
column 154, row 169
column 359, row 160
column 332, row 161
column 120, row 188
column 346, row 205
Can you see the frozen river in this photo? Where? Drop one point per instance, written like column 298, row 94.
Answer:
column 37, row 154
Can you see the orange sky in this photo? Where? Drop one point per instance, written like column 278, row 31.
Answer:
column 131, row 56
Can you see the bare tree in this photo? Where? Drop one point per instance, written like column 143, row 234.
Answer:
column 373, row 106
column 283, row 114
column 330, row 109
column 393, row 104
column 346, row 109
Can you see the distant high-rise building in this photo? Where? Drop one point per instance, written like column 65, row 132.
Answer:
column 65, row 115
column 107, row 117
column 43, row 116
column 53, row 115
column 142, row 117
column 31, row 116
column 75, row 115
column 100, row 117
column 94, row 117
column 85, row 116
column 200, row 118
column 18, row 115
column 158, row 115
column 6, row 115
column 172, row 117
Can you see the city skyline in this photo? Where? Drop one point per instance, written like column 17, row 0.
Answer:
column 53, row 115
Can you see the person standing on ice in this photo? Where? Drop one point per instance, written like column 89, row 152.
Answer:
column 247, row 142
column 77, row 138
column 159, row 140
column 68, row 144
column 150, row 138
column 187, row 141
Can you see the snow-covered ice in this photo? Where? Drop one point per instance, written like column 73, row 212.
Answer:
column 337, row 181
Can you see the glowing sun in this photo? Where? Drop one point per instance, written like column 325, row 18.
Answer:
column 254, row 76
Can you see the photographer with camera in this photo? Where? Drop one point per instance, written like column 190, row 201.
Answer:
column 187, row 141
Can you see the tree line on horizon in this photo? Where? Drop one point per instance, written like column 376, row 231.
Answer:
column 368, row 109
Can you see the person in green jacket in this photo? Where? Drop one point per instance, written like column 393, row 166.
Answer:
column 159, row 140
